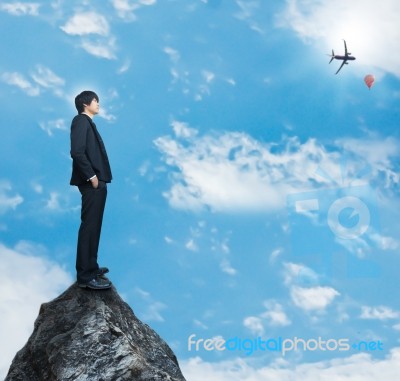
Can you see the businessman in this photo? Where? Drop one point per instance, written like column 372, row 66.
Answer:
column 90, row 173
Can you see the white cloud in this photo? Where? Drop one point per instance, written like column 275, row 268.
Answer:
column 38, row 188
column 199, row 324
column 378, row 313
column 299, row 274
column 231, row 171
column 53, row 125
column 144, row 168
column 106, row 115
column 275, row 314
column 385, row 242
column 126, row 8
column 254, row 324
column 8, row 202
column 58, row 202
column 396, row 327
column 53, row 203
column 313, row 298
column 21, row 9
column 304, row 289
column 100, row 48
column 18, row 80
column 42, row 76
column 204, row 88
column 208, row 76
column 191, row 245
column 227, row 268
column 153, row 312
column 182, row 130
column 46, row 78
column 359, row 367
column 172, row 53
column 275, row 254
column 221, row 246
column 125, row 67
column 94, row 30
column 248, row 9
column 194, row 83
column 378, row 153
column 26, row 282
column 82, row 24
column 370, row 29
column 153, row 308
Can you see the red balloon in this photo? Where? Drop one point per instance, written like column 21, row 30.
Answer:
column 369, row 80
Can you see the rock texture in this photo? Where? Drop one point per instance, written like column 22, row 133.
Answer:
column 92, row 336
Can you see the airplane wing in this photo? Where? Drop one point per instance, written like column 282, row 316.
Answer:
column 341, row 66
column 345, row 48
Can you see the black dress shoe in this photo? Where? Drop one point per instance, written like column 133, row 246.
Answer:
column 96, row 284
column 102, row 270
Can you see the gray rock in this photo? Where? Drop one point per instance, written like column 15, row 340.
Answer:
column 86, row 335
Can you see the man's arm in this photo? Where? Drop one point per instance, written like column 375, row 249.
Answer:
column 79, row 130
column 95, row 181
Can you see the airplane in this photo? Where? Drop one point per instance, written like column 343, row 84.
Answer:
column 347, row 57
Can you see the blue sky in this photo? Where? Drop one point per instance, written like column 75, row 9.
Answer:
column 255, row 192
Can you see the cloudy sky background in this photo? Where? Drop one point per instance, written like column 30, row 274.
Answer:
column 255, row 192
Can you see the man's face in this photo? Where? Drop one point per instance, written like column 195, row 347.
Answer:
column 93, row 108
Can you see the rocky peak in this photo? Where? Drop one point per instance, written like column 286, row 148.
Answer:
column 85, row 335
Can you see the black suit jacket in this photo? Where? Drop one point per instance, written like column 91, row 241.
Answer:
column 89, row 156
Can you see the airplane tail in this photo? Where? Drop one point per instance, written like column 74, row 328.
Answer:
column 332, row 56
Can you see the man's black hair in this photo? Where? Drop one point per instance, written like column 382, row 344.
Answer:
column 85, row 98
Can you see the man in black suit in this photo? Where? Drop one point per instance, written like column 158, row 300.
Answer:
column 90, row 173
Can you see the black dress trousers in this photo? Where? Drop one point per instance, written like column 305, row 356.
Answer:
column 93, row 203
